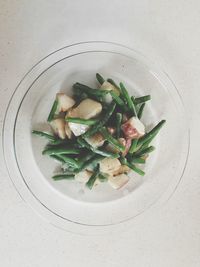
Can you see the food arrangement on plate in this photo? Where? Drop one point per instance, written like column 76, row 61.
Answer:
column 97, row 134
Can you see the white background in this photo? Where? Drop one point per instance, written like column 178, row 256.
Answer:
column 167, row 32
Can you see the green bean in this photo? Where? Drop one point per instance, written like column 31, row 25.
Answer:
column 63, row 177
column 129, row 101
column 140, row 111
column 138, row 160
column 53, row 111
column 150, row 135
column 95, row 128
column 105, row 153
column 82, row 121
column 68, row 160
column 132, row 166
column 118, row 124
column 142, row 99
column 57, row 158
column 90, row 91
column 133, row 146
column 100, row 79
column 91, row 181
column 114, row 84
column 60, row 151
column 50, row 137
column 102, row 177
column 142, row 152
column 112, row 140
column 118, row 100
column 93, row 160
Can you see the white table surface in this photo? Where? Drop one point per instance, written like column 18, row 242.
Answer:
column 169, row 33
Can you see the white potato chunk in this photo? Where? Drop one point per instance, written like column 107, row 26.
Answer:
column 83, row 176
column 109, row 165
column 118, row 181
column 96, row 140
column 58, row 126
column 109, row 87
column 133, row 128
column 64, row 102
column 122, row 169
column 87, row 109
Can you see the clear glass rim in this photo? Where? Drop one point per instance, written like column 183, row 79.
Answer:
column 54, row 52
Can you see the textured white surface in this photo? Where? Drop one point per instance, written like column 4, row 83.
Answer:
column 166, row 31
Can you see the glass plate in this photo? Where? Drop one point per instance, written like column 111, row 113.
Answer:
column 68, row 204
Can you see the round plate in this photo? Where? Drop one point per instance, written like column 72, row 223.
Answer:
column 68, row 204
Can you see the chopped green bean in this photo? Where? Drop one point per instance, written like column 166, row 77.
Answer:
column 129, row 101
column 140, row 111
column 118, row 100
column 132, row 166
column 68, row 160
column 90, row 91
column 63, row 177
column 100, row 79
column 91, row 181
column 50, row 137
column 150, row 135
column 82, row 121
column 93, row 160
column 145, row 151
column 60, row 151
column 112, row 140
column 102, row 177
column 142, row 99
column 138, row 160
column 53, row 111
column 57, row 158
column 95, row 128
column 114, row 84
column 118, row 124
column 133, row 146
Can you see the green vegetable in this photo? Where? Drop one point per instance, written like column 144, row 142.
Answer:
column 138, row 160
column 60, row 151
column 102, row 152
column 129, row 101
column 124, row 161
column 53, row 111
column 133, row 146
column 112, row 140
column 140, row 111
column 92, row 161
column 145, row 151
column 70, row 161
column 100, row 79
column 118, row 100
column 102, row 177
column 93, row 178
column 63, row 177
column 118, row 124
column 57, row 158
column 95, row 128
column 89, row 91
column 114, row 84
column 82, row 121
column 150, row 135
column 142, row 99
column 50, row 137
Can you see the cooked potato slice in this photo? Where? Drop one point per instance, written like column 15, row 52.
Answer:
column 118, row 181
column 109, row 165
column 58, row 126
column 83, row 176
column 64, row 102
